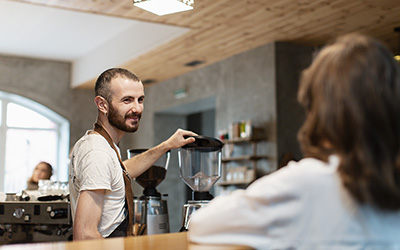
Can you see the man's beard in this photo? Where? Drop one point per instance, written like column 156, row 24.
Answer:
column 115, row 120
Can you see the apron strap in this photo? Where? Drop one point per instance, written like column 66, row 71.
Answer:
column 127, row 180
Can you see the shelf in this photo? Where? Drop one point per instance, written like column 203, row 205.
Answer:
column 227, row 183
column 234, row 175
column 245, row 158
column 239, row 140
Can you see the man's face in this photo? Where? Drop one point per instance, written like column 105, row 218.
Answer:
column 126, row 106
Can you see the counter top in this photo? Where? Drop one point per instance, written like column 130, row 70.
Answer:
column 171, row 241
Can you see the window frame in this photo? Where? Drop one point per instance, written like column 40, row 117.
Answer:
column 62, row 131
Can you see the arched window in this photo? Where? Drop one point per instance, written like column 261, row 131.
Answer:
column 30, row 133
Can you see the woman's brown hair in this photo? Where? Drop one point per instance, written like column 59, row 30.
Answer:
column 351, row 94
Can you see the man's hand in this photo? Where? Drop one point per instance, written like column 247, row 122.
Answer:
column 178, row 140
column 88, row 214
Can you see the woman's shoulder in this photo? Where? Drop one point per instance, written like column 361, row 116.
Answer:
column 301, row 175
column 312, row 166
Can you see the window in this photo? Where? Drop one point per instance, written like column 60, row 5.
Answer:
column 30, row 133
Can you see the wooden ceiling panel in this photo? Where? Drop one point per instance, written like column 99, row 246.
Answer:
column 223, row 28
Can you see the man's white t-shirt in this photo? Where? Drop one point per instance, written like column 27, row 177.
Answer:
column 95, row 165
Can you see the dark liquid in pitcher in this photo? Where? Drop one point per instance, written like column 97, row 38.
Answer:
column 152, row 177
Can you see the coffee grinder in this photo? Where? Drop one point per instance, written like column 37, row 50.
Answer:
column 157, row 221
column 200, row 168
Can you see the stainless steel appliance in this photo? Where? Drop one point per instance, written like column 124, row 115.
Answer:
column 200, row 168
column 35, row 221
column 157, row 220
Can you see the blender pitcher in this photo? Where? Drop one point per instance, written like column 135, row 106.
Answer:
column 200, row 168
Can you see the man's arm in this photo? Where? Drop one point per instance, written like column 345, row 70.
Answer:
column 140, row 163
column 88, row 214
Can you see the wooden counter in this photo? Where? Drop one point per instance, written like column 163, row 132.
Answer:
column 171, row 241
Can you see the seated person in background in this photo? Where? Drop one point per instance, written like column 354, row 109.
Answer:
column 346, row 193
column 42, row 171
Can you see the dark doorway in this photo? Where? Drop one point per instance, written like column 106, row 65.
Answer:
column 202, row 123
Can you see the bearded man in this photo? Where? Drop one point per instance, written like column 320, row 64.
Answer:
column 99, row 180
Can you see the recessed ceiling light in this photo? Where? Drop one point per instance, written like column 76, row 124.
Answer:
column 194, row 63
column 148, row 81
column 164, row 7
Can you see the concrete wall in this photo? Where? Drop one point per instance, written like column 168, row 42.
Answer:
column 48, row 83
column 243, row 87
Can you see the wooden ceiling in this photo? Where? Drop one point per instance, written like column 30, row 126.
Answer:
column 223, row 28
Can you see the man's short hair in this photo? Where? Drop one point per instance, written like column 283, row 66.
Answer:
column 102, row 87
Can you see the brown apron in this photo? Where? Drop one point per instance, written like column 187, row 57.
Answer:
column 127, row 223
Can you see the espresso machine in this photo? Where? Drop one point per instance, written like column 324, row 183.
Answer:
column 151, row 211
column 200, row 168
column 34, row 216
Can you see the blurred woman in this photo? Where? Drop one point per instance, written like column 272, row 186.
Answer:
column 346, row 193
column 42, row 171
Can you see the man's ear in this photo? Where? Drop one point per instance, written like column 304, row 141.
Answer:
column 102, row 104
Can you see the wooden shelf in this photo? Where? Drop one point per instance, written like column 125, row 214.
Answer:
column 245, row 158
column 250, row 157
column 227, row 183
column 240, row 140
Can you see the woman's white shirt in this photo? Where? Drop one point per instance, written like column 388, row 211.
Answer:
column 301, row 206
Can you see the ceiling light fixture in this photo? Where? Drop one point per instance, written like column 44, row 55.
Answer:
column 164, row 7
